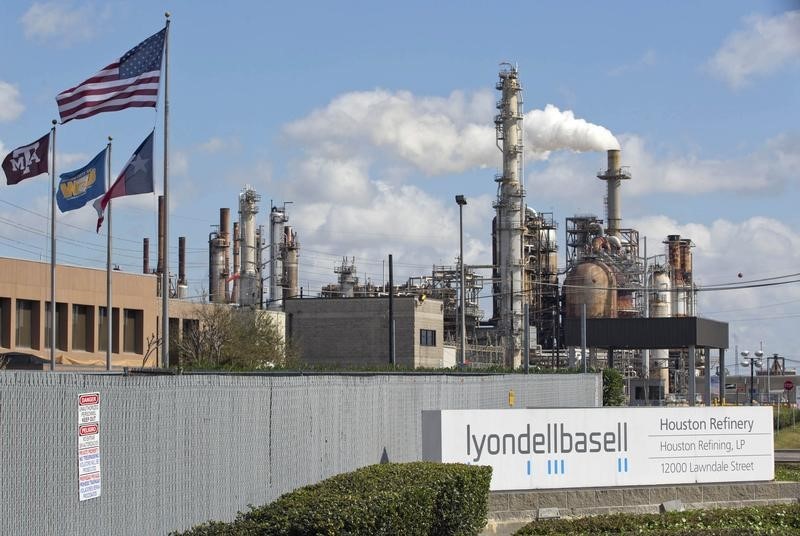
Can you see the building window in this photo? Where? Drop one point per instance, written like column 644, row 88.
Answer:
column 5, row 322
column 26, row 332
column 61, row 325
column 191, row 327
column 102, row 330
column 82, row 327
column 132, row 331
column 427, row 337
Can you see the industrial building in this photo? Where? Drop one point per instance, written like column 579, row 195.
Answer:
column 81, row 314
column 355, row 331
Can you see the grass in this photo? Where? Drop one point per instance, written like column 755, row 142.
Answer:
column 788, row 438
column 787, row 473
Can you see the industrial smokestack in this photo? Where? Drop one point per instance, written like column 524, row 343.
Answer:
column 181, row 260
column 146, row 256
column 182, row 284
column 161, row 238
column 613, row 177
column 235, row 288
column 225, row 242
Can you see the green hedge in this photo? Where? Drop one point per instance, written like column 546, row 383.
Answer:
column 778, row 519
column 389, row 499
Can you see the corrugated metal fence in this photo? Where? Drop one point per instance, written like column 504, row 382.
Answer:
column 178, row 450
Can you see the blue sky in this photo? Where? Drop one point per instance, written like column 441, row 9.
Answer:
column 369, row 118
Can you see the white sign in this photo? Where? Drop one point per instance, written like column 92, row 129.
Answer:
column 88, row 446
column 89, row 486
column 88, row 408
column 570, row 448
column 88, row 436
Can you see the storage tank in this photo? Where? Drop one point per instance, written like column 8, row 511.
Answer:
column 660, row 298
column 591, row 282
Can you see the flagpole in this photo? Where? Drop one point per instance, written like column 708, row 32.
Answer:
column 165, row 274
column 109, row 310
column 53, row 254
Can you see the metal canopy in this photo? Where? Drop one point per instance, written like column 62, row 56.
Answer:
column 648, row 333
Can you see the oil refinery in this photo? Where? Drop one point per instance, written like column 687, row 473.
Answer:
column 606, row 273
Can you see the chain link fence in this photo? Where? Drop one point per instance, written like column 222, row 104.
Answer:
column 179, row 450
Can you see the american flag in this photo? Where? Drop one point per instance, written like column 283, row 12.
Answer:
column 132, row 81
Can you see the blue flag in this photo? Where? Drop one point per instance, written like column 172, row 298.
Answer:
column 82, row 185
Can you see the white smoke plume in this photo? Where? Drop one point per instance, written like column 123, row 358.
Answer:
column 552, row 129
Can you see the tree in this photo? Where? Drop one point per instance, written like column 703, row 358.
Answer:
column 153, row 343
column 613, row 388
column 229, row 337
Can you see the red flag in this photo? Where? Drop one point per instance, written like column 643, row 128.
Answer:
column 27, row 161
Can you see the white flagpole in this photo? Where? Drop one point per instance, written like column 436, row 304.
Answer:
column 165, row 275
column 109, row 310
column 53, row 253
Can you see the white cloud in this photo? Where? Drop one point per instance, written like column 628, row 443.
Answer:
column 767, row 169
column 360, row 156
column 724, row 249
column 765, row 45
column 406, row 221
column 435, row 135
column 10, row 105
column 63, row 22
column 336, row 180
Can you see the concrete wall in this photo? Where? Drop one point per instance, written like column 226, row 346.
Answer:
column 178, row 450
column 509, row 511
column 355, row 331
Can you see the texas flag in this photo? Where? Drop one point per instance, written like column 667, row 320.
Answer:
column 136, row 178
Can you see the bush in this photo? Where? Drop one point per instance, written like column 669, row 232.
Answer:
column 613, row 388
column 778, row 519
column 388, row 499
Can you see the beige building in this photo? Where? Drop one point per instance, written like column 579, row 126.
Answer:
column 81, row 334
column 355, row 331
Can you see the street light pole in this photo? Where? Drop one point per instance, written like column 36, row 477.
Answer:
column 754, row 361
column 461, row 200
column 759, row 354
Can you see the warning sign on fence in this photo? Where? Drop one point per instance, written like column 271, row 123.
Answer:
column 88, row 446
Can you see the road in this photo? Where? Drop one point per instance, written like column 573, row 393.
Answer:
column 787, row 455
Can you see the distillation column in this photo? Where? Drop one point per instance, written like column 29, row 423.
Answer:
column 218, row 244
column 248, row 280
column 508, row 124
column 277, row 219
column 289, row 249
